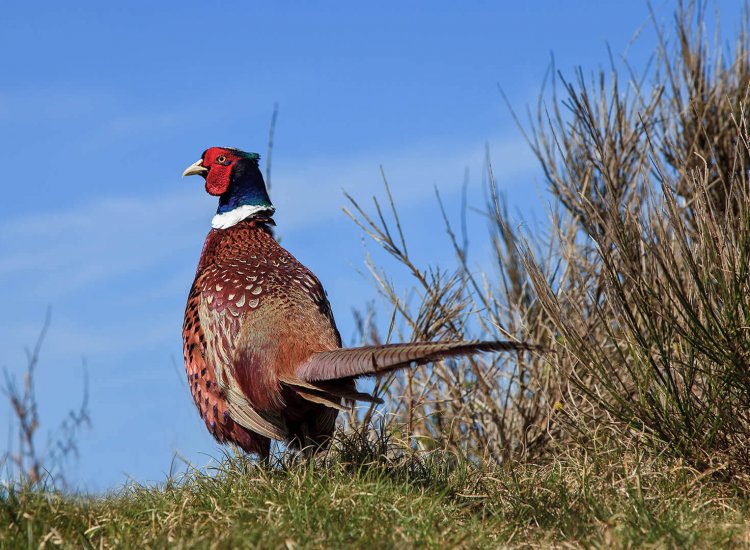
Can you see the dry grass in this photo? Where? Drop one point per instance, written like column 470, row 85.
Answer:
column 27, row 460
column 498, row 406
column 639, row 284
column 652, row 306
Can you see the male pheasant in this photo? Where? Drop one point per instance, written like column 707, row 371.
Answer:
column 262, row 352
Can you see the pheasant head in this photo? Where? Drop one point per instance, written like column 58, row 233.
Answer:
column 234, row 177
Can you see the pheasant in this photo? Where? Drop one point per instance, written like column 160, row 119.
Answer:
column 262, row 352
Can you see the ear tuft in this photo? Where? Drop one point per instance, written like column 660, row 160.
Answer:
column 240, row 153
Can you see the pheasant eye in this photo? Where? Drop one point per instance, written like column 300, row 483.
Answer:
column 222, row 160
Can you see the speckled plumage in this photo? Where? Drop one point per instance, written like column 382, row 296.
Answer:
column 256, row 313
column 262, row 352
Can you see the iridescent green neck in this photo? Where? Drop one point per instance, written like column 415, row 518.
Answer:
column 246, row 196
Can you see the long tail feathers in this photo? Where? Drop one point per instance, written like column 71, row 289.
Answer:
column 369, row 360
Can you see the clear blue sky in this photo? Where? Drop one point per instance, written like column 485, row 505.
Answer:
column 102, row 105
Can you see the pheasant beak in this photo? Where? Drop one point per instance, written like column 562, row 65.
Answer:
column 196, row 168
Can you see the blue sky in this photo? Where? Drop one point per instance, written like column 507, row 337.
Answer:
column 103, row 105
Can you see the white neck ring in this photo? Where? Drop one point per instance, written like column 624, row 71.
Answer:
column 233, row 217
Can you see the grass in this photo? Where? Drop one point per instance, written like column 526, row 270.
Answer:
column 356, row 496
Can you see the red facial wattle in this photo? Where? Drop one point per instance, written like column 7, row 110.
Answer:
column 218, row 179
column 219, row 163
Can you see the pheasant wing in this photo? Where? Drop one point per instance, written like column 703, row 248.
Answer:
column 221, row 329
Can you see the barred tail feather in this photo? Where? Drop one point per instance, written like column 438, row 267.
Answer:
column 370, row 360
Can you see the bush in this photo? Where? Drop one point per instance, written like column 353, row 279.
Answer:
column 640, row 286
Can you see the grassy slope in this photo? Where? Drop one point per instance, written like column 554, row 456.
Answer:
column 433, row 501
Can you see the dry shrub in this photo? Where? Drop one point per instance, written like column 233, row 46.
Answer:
column 640, row 285
column 27, row 462
column 493, row 406
column 652, row 308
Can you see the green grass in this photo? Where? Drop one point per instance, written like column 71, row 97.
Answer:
column 353, row 497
